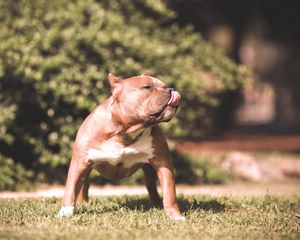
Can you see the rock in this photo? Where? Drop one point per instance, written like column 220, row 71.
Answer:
column 290, row 168
column 242, row 165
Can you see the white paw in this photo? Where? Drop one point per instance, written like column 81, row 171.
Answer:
column 67, row 211
column 177, row 218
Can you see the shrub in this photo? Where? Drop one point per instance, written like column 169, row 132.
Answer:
column 55, row 57
column 13, row 175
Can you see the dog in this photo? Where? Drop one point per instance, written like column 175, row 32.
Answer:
column 122, row 135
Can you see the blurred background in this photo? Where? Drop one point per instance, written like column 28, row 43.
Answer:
column 236, row 63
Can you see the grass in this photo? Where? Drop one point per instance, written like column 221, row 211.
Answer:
column 131, row 218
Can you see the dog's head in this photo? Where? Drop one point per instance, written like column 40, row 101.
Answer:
column 143, row 99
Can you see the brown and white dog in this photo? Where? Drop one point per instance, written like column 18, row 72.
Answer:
column 122, row 135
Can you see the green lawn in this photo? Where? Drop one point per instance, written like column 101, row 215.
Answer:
column 131, row 218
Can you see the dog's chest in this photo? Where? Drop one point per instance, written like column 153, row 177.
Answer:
column 114, row 153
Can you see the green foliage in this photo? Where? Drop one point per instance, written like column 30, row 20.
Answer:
column 7, row 115
column 55, row 57
column 131, row 218
column 12, row 175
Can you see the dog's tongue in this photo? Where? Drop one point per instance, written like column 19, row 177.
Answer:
column 175, row 98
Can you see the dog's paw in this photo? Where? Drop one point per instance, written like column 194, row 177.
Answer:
column 67, row 211
column 174, row 214
column 177, row 218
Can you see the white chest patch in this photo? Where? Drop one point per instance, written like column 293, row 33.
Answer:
column 113, row 153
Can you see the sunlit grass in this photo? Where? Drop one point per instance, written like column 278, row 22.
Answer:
column 132, row 218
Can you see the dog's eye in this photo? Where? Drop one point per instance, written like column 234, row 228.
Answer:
column 147, row 87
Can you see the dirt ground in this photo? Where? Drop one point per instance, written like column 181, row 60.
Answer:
column 240, row 142
column 286, row 188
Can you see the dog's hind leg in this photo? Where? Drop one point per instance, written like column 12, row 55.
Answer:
column 83, row 194
column 151, row 184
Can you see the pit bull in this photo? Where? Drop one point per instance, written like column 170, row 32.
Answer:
column 122, row 135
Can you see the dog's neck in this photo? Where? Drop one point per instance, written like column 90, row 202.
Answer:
column 126, row 132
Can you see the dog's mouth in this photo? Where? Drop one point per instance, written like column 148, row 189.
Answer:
column 168, row 110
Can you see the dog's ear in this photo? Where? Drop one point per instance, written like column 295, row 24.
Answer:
column 113, row 80
column 116, row 86
column 146, row 74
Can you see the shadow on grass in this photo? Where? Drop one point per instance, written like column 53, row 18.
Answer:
column 143, row 204
column 205, row 205
column 184, row 204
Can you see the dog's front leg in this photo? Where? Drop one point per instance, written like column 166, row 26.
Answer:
column 77, row 174
column 162, row 163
